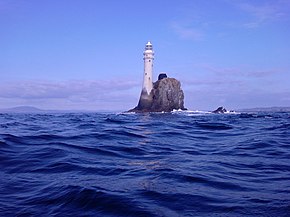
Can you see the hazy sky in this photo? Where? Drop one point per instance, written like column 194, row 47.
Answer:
column 87, row 54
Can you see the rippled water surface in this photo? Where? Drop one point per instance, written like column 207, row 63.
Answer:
column 175, row 164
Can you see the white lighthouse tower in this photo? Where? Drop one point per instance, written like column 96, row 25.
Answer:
column 148, row 67
column 145, row 101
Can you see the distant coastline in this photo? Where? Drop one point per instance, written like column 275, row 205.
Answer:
column 266, row 109
column 35, row 110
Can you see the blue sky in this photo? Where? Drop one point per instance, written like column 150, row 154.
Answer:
column 87, row 54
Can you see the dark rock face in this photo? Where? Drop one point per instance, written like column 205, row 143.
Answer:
column 161, row 76
column 220, row 110
column 167, row 95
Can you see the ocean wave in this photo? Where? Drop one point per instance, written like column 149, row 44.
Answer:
column 172, row 164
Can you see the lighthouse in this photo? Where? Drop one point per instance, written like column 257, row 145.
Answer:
column 164, row 95
column 145, row 100
column 148, row 67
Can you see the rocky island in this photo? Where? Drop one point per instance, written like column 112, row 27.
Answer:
column 164, row 95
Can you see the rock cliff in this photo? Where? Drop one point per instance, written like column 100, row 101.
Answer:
column 167, row 95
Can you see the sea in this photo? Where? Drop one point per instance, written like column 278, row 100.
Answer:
column 154, row 164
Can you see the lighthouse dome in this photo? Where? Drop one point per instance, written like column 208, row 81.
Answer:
column 148, row 46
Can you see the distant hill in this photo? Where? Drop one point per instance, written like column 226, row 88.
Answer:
column 22, row 109
column 266, row 109
column 31, row 109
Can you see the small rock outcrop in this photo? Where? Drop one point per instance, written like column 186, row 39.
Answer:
column 167, row 96
column 220, row 110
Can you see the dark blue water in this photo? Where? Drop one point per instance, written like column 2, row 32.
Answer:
column 176, row 164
